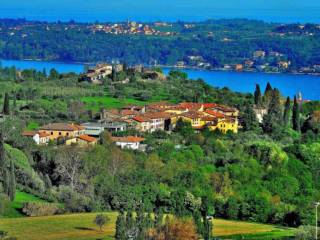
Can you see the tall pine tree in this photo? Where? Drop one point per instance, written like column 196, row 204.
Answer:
column 6, row 104
column 296, row 115
column 257, row 96
column 274, row 116
column 12, row 182
column 286, row 113
column 121, row 227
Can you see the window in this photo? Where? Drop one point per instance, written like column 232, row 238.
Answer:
column 51, row 133
column 59, row 133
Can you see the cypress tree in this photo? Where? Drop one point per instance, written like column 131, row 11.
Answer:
column 296, row 115
column 268, row 89
column 114, row 73
column 6, row 104
column 198, row 222
column 274, row 115
column 12, row 182
column 207, row 225
column 286, row 113
column 257, row 96
column 121, row 227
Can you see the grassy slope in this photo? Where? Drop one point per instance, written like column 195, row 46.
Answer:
column 95, row 103
column 80, row 226
column 17, row 204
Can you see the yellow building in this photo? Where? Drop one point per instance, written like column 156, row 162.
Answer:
column 62, row 130
column 225, row 125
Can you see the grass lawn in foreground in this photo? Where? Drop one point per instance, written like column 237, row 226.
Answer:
column 81, row 226
column 96, row 103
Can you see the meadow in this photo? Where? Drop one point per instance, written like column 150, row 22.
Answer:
column 81, row 226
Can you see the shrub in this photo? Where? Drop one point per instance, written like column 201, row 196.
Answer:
column 35, row 209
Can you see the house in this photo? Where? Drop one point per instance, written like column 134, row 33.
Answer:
column 195, row 118
column 259, row 54
column 93, row 129
column 96, row 74
column 62, row 130
column 227, row 111
column 129, row 142
column 260, row 112
column 284, row 64
column 39, row 138
column 224, row 125
column 82, row 140
column 85, row 140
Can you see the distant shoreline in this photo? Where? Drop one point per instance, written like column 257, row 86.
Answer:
column 166, row 66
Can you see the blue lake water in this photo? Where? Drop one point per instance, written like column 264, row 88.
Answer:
column 288, row 84
column 166, row 10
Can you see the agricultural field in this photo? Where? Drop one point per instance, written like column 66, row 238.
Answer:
column 81, row 226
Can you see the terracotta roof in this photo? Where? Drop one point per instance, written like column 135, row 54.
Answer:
column 33, row 133
column 192, row 114
column 42, row 135
column 209, row 105
column 214, row 113
column 141, row 119
column 126, row 112
column 208, row 118
column 87, row 138
column 29, row 133
column 225, row 108
column 62, row 127
column 128, row 139
column 190, row 105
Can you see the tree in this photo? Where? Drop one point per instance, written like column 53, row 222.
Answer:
column 6, row 104
column 53, row 74
column 207, row 225
column 12, row 183
column 268, row 89
column 257, row 96
column 286, row 114
column 121, row 227
column 274, row 116
column 101, row 220
column 175, row 229
column 114, row 73
column 296, row 115
column 70, row 166
column 249, row 119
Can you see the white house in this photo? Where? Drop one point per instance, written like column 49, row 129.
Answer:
column 40, row 138
column 129, row 142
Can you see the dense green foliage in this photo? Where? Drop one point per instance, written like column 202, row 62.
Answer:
column 266, row 173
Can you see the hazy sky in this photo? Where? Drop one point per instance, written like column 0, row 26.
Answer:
column 90, row 10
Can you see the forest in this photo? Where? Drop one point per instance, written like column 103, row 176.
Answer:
column 267, row 173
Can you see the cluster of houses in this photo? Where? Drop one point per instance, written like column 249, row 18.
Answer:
column 129, row 28
column 144, row 119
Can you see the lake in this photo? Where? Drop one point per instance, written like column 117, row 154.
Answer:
column 288, row 84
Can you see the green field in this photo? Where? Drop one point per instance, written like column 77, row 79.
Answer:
column 80, row 226
column 17, row 204
column 96, row 103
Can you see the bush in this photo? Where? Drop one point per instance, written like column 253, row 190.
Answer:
column 4, row 204
column 35, row 209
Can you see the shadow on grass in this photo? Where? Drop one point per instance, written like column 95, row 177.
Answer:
column 85, row 228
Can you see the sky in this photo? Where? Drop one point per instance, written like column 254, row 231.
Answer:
column 167, row 10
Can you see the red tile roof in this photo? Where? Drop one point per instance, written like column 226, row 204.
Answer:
column 87, row 138
column 215, row 113
column 29, row 133
column 141, row 119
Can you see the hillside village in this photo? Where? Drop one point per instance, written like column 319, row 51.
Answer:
column 161, row 116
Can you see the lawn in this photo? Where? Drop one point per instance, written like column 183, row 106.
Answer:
column 17, row 204
column 96, row 103
column 80, row 226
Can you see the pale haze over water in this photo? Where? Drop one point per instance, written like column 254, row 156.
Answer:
column 166, row 10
